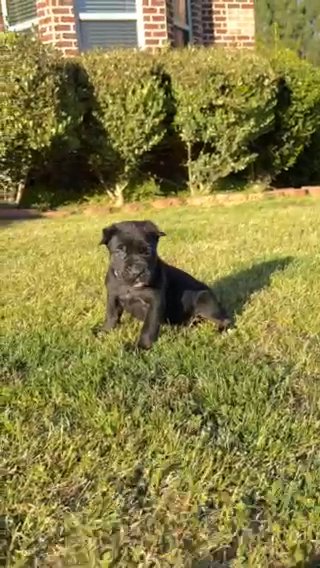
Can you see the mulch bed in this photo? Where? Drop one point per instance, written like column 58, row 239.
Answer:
column 226, row 199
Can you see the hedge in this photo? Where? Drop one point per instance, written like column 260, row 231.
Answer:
column 296, row 118
column 130, row 110
column 124, row 112
column 224, row 102
column 42, row 105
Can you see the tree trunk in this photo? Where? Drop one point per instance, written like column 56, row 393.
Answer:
column 21, row 190
column 189, row 167
column 118, row 194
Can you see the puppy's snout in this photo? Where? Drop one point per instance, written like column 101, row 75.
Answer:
column 136, row 270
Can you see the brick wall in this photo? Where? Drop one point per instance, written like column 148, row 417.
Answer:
column 155, row 23
column 221, row 22
column 1, row 22
column 229, row 22
column 57, row 25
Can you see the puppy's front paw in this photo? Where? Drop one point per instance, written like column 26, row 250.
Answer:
column 99, row 330
column 224, row 325
column 145, row 342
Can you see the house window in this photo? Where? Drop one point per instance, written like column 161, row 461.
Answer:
column 108, row 24
column 181, row 23
column 19, row 15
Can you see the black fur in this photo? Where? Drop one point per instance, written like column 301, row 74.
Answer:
column 139, row 282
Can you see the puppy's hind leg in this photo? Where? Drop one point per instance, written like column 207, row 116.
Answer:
column 206, row 306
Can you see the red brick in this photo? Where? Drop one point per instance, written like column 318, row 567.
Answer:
column 64, row 27
column 160, row 34
column 62, row 11
column 158, row 18
column 247, row 6
column 152, row 42
column 67, row 19
column 68, row 35
column 46, row 37
column 150, row 10
column 155, row 34
column 151, row 26
column 65, row 43
column 154, row 27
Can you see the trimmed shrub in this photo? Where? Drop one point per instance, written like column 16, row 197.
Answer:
column 225, row 100
column 119, row 116
column 307, row 167
column 132, row 96
column 39, row 106
column 297, row 115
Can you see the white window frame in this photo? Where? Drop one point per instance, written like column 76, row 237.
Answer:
column 20, row 26
column 185, row 27
column 135, row 16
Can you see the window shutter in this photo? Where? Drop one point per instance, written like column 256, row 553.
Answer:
column 106, row 6
column 21, row 10
column 108, row 34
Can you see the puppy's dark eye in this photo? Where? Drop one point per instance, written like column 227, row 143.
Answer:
column 144, row 251
column 121, row 248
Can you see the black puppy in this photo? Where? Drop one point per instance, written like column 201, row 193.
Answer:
column 139, row 282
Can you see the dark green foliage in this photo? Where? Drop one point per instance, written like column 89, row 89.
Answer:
column 41, row 104
column 131, row 107
column 119, row 117
column 224, row 102
column 296, row 117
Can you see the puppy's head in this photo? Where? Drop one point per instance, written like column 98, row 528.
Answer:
column 133, row 250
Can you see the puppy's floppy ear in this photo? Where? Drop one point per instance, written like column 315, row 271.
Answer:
column 152, row 229
column 107, row 234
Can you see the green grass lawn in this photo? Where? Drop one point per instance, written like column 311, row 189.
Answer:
column 203, row 452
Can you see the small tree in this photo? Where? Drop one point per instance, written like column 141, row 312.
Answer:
column 297, row 113
column 130, row 110
column 225, row 101
column 38, row 105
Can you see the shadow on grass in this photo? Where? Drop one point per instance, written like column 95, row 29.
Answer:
column 12, row 215
column 312, row 562
column 235, row 290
